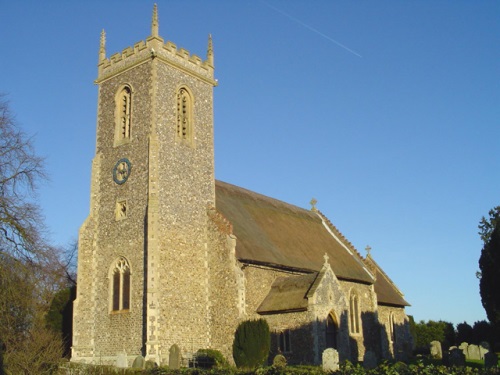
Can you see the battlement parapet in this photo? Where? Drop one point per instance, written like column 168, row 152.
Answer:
column 152, row 48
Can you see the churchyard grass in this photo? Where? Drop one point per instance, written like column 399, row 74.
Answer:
column 386, row 368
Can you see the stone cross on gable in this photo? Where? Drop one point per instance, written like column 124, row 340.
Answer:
column 326, row 257
column 368, row 248
column 313, row 204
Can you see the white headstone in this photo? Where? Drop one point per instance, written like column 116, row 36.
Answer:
column 330, row 360
column 121, row 360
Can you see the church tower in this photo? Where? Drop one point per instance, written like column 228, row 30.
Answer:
column 143, row 261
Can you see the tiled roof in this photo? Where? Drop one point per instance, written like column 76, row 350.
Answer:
column 275, row 233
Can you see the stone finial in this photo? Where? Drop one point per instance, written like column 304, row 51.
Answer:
column 368, row 249
column 326, row 258
column 154, row 22
column 102, row 48
column 210, row 51
column 313, row 204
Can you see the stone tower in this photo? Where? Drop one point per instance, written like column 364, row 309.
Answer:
column 143, row 269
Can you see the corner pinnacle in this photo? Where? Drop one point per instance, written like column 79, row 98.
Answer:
column 210, row 51
column 154, row 22
column 102, row 48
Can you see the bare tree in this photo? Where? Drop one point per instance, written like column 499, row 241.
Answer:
column 21, row 224
column 31, row 270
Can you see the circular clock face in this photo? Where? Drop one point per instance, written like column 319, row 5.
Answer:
column 121, row 171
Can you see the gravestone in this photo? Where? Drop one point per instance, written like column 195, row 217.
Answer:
column 174, row 357
column 121, row 360
column 457, row 357
column 484, row 348
column 463, row 347
column 473, row 352
column 436, row 351
column 369, row 360
column 490, row 360
column 138, row 362
column 330, row 360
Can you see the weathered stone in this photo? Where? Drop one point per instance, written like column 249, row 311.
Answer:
column 490, row 360
column 330, row 360
column 484, row 348
column 121, row 360
column 139, row 362
column 174, row 358
column 150, row 364
column 457, row 357
column 463, row 347
column 473, row 352
column 369, row 360
column 436, row 351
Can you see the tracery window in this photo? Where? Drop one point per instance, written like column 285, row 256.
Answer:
column 184, row 114
column 354, row 313
column 123, row 116
column 120, row 285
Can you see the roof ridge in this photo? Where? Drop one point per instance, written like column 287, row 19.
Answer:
column 382, row 272
column 340, row 235
column 260, row 196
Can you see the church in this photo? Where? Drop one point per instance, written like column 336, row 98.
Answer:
column 171, row 258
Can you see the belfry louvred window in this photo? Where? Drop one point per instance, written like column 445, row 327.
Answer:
column 120, row 298
column 123, row 115
column 184, row 114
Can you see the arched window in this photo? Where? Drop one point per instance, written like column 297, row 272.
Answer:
column 354, row 313
column 120, row 285
column 123, row 115
column 331, row 332
column 184, row 115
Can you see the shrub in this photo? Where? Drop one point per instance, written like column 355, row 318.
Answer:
column 251, row 344
column 209, row 358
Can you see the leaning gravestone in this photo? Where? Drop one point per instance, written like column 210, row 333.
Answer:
column 457, row 357
column 174, row 358
column 121, row 360
column 436, row 351
column 139, row 362
column 369, row 360
column 330, row 360
column 490, row 360
column 473, row 352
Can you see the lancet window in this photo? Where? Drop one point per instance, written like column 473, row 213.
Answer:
column 120, row 285
column 284, row 341
column 123, row 115
column 354, row 313
column 184, row 114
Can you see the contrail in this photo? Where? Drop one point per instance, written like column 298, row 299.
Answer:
column 311, row 28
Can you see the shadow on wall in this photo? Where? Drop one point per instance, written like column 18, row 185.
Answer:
column 305, row 344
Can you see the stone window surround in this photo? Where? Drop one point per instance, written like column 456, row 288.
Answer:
column 185, row 123
column 122, row 266
column 124, row 90
column 354, row 314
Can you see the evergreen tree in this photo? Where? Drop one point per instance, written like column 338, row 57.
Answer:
column 252, row 341
column 489, row 265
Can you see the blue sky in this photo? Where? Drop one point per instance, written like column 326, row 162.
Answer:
column 386, row 112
